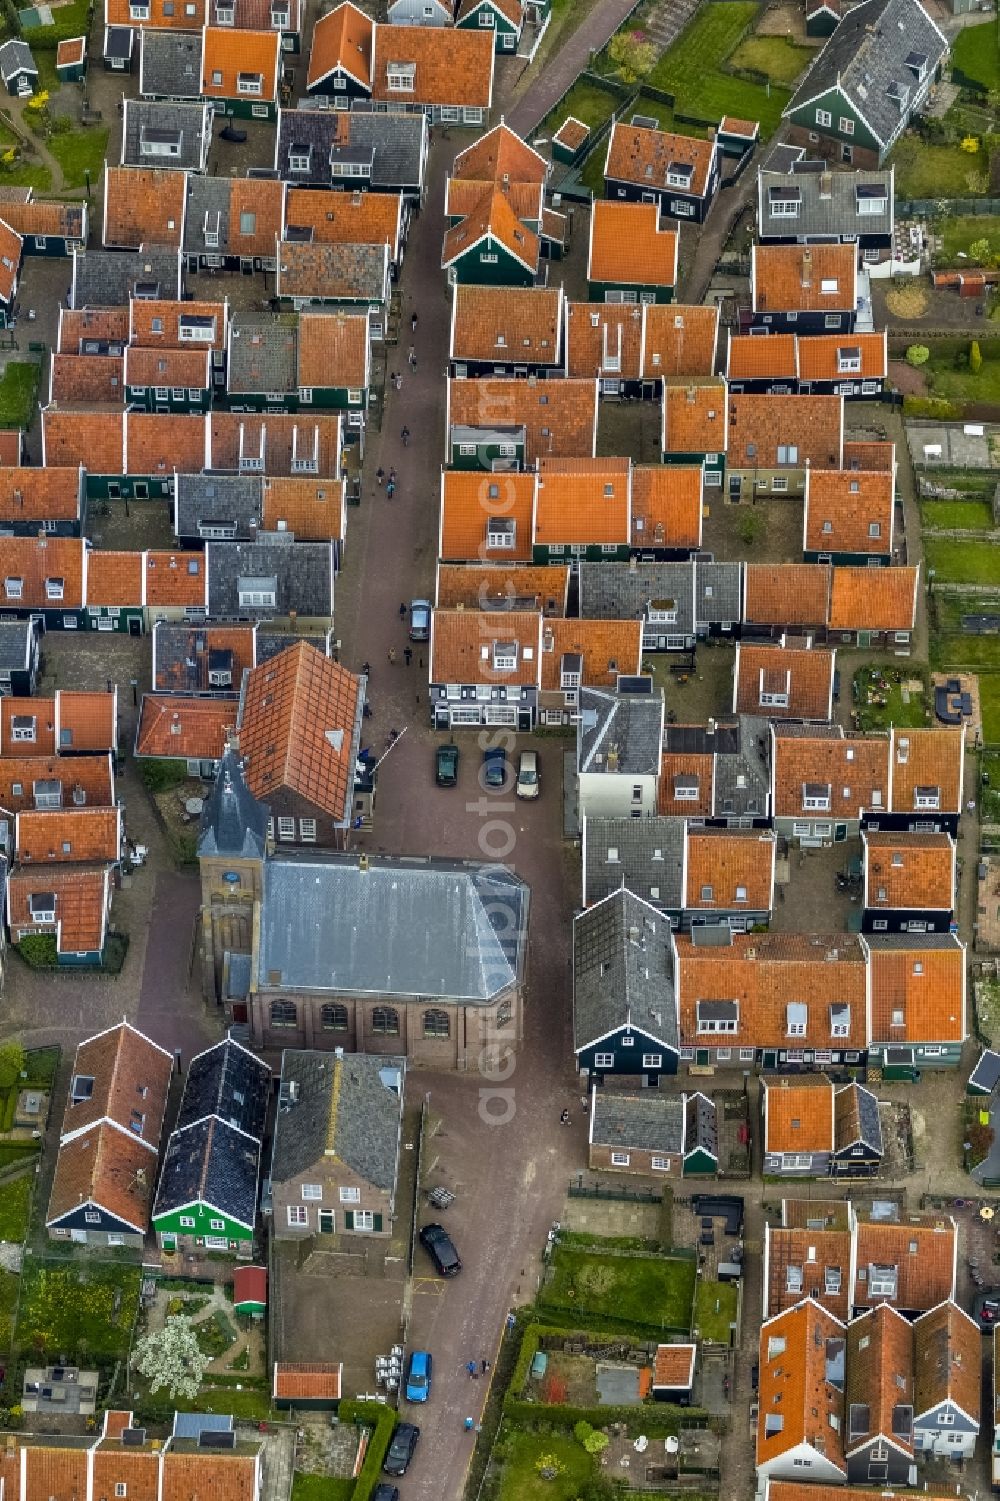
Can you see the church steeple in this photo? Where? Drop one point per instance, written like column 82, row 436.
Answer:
column 233, row 822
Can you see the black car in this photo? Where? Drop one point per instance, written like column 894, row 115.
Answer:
column 233, row 134
column 441, row 1248
column 404, row 1441
column 385, row 1492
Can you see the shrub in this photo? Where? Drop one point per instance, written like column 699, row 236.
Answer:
column 11, row 1060
column 582, row 1431
column 930, row 406
column 981, row 251
column 751, row 524
column 160, row 776
column 596, row 1441
column 632, row 55
column 970, row 144
column 39, row 950
column 975, row 357
column 917, row 355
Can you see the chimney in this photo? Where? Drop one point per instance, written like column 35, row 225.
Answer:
column 362, row 862
column 807, row 266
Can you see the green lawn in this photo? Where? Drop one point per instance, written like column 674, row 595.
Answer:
column 520, row 1480
column 18, row 386
column 959, row 233
column 691, row 69
column 78, row 1309
column 961, row 384
column 9, row 1284
column 924, row 171
column 972, row 515
column 715, row 1307
column 586, row 102
column 963, row 562
column 15, row 1207
column 320, row 1487
column 781, row 60
column 248, row 1403
column 976, row 50
column 653, row 1292
column 81, row 151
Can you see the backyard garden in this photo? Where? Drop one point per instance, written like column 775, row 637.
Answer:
column 620, row 1290
column 80, row 1311
column 884, row 696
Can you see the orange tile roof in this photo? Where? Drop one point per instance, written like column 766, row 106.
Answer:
column 115, row 1423
column 628, row 245
column 507, row 324
column 39, row 216
column 848, row 510
column 501, row 155
column 297, row 729
column 793, row 1384
column 734, row 126
column 948, row 1360
column 187, row 368
column 281, row 435
column 90, row 777
column 42, row 714
column 559, row 416
column 175, row 578
column 264, row 201
column 666, row 506
column 763, row 972
column 52, row 1474
column 470, row 500
column 37, row 560
column 673, row 1366
column 880, row 1375
column 11, row 445
column 875, row 455
column 87, row 721
column 931, row 758
column 676, row 764
column 809, row 1251
column 493, row 216
column 189, row 1472
column 96, row 439
column 343, row 38
column 226, row 53
column 694, row 416
column 855, row 605
column 578, row 506
column 854, row 772
column 175, row 725
column 334, row 348
column 126, row 1067
column 462, row 643
column 788, row 1490
column 10, row 260
column 572, row 133
column 607, row 647
column 805, row 676
column 138, row 1469
column 451, row 67
column 909, row 870
column 28, row 494
column 87, row 378
column 804, row 278
column 162, row 16
column 798, row 1113
column 751, row 357
column 114, row 578
column 498, row 586
column 296, row 1379
column 75, row 835
column 819, row 356
column 143, row 206
column 312, row 510
column 71, row 52
column 82, row 897
column 759, row 425
column 343, row 272
column 643, row 156
column 921, row 1248
column 171, row 673
column 917, row 992
column 787, row 593
column 601, row 332
column 463, row 195
column 158, row 443
column 346, row 218
column 156, row 323
column 736, row 864
column 78, row 324
column 678, row 339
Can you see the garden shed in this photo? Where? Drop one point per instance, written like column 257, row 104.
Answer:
column 250, row 1291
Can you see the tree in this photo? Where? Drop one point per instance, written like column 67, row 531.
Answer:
column 596, row 1441
column 632, row 55
column 975, row 357
column 11, row 1063
column 917, row 354
column 980, row 251
column 171, row 1360
column 750, row 527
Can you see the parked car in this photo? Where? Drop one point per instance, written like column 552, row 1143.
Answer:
column 528, row 775
column 404, row 1441
column 446, row 765
column 986, row 1308
column 385, row 1492
column 420, row 620
column 418, row 1377
column 441, row 1249
column 233, row 134
column 495, row 767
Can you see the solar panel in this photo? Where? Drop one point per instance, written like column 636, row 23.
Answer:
column 212, row 1438
column 133, row 1437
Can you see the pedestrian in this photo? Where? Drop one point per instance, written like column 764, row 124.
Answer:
column 413, row 323
column 380, row 475
column 484, row 1366
column 564, row 1118
column 392, row 656
column 366, row 669
column 390, row 489
column 469, row 1425
column 392, row 377
column 971, row 805
column 397, row 381
column 392, row 476
column 407, row 655
column 402, row 611
column 405, row 435
column 583, row 1101
column 413, row 358
column 470, row 1366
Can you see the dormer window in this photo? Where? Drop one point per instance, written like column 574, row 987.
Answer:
column 679, row 175
column 42, row 906
column 13, row 588
column 829, row 285
column 840, row 1020
column 225, row 15
column 816, row 797
column 796, row 1018
column 501, row 532
column 23, row 727
column 505, row 656
column 927, row 797
column 249, row 83
column 882, row 1281
column 55, row 588
column 849, row 361
column 401, row 77
column 299, row 158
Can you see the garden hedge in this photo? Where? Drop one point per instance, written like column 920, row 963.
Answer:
column 383, row 1421
column 657, row 1420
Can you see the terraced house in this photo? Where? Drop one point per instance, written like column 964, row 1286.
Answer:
column 679, row 173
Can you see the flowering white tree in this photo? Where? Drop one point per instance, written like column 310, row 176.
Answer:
column 170, row 1359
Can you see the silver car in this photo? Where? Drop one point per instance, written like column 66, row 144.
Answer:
column 528, row 774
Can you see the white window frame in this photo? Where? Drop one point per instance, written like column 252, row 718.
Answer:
column 620, row 1159
column 604, row 1060
column 312, row 1192
column 350, row 1195
column 298, row 1216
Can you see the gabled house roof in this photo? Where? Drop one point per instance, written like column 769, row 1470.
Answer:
column 84, row 781
column 801, row 1392
column 583, row 501
column 782, row 682
column 347, row 1109
column 619, row 732
column 33, row 721
column 183, row 655
column 604, row 338
column 496, row 586
column 851, row 772
column 210, row 1163
column 160, row 323
column 629, row 246
column 299, row 576
column 465, row 645
column 228, row 1082
column 651, row 158
column 857, row 1119
column 229, row 54
column 647, row 1122
column 279, row 438
column 309, row 509
column 51, row 494
column 848, row 511
column 347, row 219
column 909, row 871
column 103, row 1168
column 494, row 220
column 108, row 278
column 154, row 126
column 169, row 60
column 47, row 571
column 347, row 273
column 68, row 835
column 393, row 144
column 917, row 1255
column 143, row 207
column 798, row 1113
column 80, row 326
column 175, row 579
column 667, row 506
column 788, row 593
column 118, row 1073
column 948, row 1361
column 768, row 432
column 803, row 278
column 79, row 895
column 622, row 972
column 190, row 368
column 678, row 339
column 600, row 650
column 696, row 415
column 501, row 155
column 749, row 357
column 343, row 41
column 926, row 763
column 115, row 578
column 918, row 989
column 72, row 436
column 644, row 855
column 448, row 66
column 507, row 325
column 174, row 725
column 880, row 1381
column 824, row 202
column 157, row 443
column 812, row 1261
column 464, row 523
column 822, row 356
column 726, row 869
column 86, row 379
column 559, row 418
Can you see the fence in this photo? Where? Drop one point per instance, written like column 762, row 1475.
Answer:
column 939, row 208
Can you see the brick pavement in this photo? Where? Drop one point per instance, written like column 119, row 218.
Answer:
column 548, row 87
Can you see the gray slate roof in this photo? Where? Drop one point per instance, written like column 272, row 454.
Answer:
column 145, row 117
column 868, row 1116
column 348, row 273
column 302, row 571
column 15, row 644
column 703, row 593
column 393, row 143
column 718, row 592
column 16, row 58
column 406, row 929
column 349, row 1106
column 828, row 202
column 225, row 499
column 213, row 1164
column 702, row 1124
column 233, row 822
column 648, row 859
column 867, row 57
column 207, row 196
column 263, row 355
column 230, row 1082
column 171, row 64
column 740, row 747
column 108, row 278
column 649, row 1121
column 623, row 972
column 628, row 725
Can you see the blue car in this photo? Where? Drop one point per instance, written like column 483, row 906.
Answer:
column 495, row 767
column 418, row 1377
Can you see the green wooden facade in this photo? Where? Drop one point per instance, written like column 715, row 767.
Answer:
column 700, row 1164
column 479, row 448
column 126, row 620
column 715, row 463
column 246, row 107
column 128, row 486
column 825, row 116
column 202, row 1222
column 573, row 552
column 488, row 263
column 486, row 16
column 304, row 399
column 628, row 292
column 169, row 398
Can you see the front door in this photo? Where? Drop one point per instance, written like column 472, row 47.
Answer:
column 240, row 1013
column 839, row 833
column 735, row 486
column 701, row 1057
column 326, row 1222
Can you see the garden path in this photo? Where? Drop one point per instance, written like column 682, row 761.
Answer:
column 15, row 107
